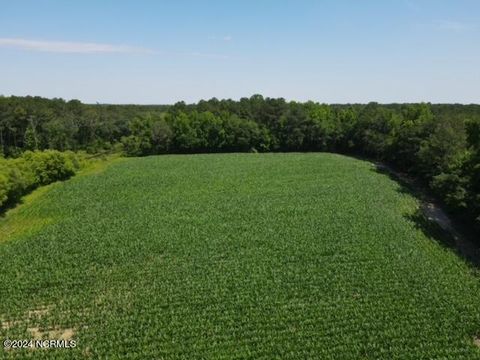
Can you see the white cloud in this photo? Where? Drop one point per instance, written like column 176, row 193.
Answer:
column 92, row 48
column 70, row 47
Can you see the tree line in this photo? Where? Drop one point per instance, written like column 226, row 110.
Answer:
column 436, row 143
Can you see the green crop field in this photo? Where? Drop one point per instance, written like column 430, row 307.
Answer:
column 287, row 256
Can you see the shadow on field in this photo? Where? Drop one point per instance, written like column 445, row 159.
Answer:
column 10, row 204
column 407, row 184
column 453, row 240
column 432, row 220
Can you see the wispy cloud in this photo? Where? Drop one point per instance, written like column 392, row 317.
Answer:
column 70, row 47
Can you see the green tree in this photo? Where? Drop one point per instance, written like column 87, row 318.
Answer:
column 444, row 148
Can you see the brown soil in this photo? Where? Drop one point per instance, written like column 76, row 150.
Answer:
column 52, row 334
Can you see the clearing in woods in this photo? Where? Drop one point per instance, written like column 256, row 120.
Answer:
column 234, row 255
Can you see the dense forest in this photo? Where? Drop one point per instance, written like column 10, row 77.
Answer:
column 437, row 144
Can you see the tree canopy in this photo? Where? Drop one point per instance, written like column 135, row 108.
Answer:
column 438, row 144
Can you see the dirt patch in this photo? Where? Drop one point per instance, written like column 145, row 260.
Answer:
column 436, row 214
column 52, row 334
column 9, row 324
column 35, row 332
column 40, row 312
column 476, row 340
column 29, row 316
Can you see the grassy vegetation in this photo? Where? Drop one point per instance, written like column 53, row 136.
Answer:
column 235, row 256
column 21, row 220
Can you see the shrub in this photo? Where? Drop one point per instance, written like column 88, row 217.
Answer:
column 49, row 166
column 4, row 188
column 34, row 168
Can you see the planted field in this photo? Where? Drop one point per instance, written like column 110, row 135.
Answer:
column 285, row 256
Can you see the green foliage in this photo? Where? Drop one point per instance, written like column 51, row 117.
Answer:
column 244, row 135
column 438, row 144
column 271, row 256
column 4, row 188
column 17, row 179
column 30, row 123
column 132, row 146
column 161, row 136
column 185, row 135
column 150, row 135
column 30, row 139
column 452, row 186
column 49, row 166
column 33, row 169
column 444, row 148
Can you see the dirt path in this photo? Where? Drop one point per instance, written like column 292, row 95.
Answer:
column 465, row 247
column 433, row 212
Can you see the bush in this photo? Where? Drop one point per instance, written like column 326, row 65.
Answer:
column 34, row 168
column 133, row 146
column 4, row 188
column 451, row 187
column 49, row 166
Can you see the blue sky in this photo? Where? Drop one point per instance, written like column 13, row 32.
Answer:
column 159, row 52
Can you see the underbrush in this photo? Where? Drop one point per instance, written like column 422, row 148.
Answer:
column 21, row 175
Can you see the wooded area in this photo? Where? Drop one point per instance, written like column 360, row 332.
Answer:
column 438, row 144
